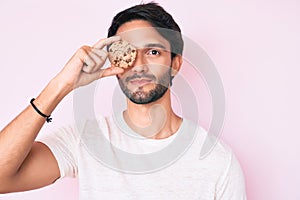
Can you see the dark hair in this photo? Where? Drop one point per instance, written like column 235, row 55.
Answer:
column 162, row 21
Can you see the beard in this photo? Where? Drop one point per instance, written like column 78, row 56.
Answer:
column 141, row 96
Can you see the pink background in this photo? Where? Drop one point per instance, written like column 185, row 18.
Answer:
column 254, row 44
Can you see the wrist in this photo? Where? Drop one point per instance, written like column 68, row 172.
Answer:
column 62, row 88
column 53, row 93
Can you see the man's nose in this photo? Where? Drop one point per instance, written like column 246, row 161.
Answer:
column 140, row 64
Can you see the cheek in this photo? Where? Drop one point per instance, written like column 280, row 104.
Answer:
column 163, row 60
column 160, row 71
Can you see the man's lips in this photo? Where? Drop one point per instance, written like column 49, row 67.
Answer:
column 140, row 81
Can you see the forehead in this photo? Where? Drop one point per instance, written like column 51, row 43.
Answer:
column 141, row 33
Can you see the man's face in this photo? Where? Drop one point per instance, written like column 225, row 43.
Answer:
column 149, row 77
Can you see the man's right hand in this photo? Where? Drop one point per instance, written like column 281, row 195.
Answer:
column 85, row 66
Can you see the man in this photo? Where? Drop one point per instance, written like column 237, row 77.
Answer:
column 128, row 165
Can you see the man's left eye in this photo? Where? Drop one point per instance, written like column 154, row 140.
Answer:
column 153, row 52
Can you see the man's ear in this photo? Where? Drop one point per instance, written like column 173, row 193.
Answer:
column 176, row 64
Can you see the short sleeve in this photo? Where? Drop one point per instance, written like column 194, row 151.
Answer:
column 63, row 144
column 231, row 185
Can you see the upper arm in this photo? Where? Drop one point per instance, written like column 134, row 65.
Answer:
column 39, row 169
column 232, row 183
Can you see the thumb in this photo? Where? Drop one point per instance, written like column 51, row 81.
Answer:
column 111, row 71
column 87, row 78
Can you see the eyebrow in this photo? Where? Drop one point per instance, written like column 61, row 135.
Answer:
column 161, row 46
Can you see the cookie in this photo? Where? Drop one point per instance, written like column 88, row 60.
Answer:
column 122, row 54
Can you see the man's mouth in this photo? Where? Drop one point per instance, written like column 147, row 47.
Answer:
column 140, row 81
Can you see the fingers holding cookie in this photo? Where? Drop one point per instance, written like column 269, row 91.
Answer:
column 95, row 55
column 94, row 60
column 121, row 54
column 106, row 41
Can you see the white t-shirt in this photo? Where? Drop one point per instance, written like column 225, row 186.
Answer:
column 111, row 162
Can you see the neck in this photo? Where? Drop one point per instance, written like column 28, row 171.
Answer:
column 155, row 120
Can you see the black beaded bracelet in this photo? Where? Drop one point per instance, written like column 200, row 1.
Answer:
column 48, row 118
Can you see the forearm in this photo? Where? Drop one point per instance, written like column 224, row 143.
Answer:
column 17, row 137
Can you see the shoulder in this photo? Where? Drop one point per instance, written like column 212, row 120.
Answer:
column 220, row 160
column 212, row 150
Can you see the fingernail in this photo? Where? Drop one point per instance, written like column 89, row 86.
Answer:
column 117, row 37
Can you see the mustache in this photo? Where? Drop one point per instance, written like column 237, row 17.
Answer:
column 139, row 76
